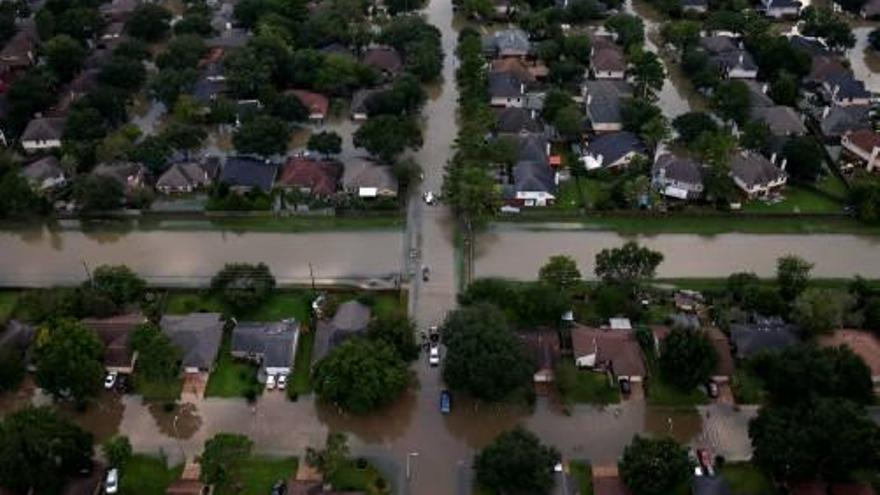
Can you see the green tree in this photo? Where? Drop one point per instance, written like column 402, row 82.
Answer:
column 117, row 451
column 755, row 135
column 17, row 199
column 123, row 73
column 325, row 143
column 826, row 438
column 804, row 155
column 561, row 272
column 516, row 463
column 222, row 458
column 630, row 29
column 65, row 56
column 263, row 135
column 732, row 101
column 360, row 375
column 387, row 136
column 39, row 450
column 569, row 121
column 654, row 467
column 874, row 39
column 149, row 22
column 246, row 74
column 784, row 89
column 244, row 286
column 691, row 125
column 792, row 276
column 194, row 23
column 182, row 52
column 687, row 358
column 158, row 358
column 483, row 356
column 398, row 331
column 824, row 23
column 68, row 360
column 118, row 282
column 169, row 84
column 12, row 369
column 332, row 457
column 647, row 72
column 865, row 196
column 629, row 265
column 682, row 34
column 819, row 311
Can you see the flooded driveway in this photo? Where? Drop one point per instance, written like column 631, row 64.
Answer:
column 518, row 253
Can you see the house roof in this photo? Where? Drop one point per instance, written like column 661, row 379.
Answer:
column 845, row 86
column 719, row 44
column 871, row 8
column 85, row 82
column 272, row 342
column 531, row 176
column 841, row 120
column 864, row 344
column 782, row 120
column 758, row 94
column 678, row 168
column 507, row 41
column 365, row 173
column 768, row 334
column 115, row 333
column 197, row 335
column 825, row 67
column 615, row 145
column 351, row 316
column 864, row 139
column 735, row 59
column 120, row 171
column 44, row 129
column 315, row 102
column 47, row 167
column 543, row 345
column 186, row 174
column 514, row 66
column 608, row 58
column 19, row 49
column 618, row 349
column 248, row 172
column 784, row 4
column 385, row 59
column 813, row 46
column 360, row 97
column 603, row 100
column 321, row 177
column 229, row 38
column 754, row 169
column 514, row 120
column 709, row 485
column 505, row 85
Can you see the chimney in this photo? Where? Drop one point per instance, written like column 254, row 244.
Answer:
column 522, row 88
column 825, row 112
column 773, row 158
column 741, row 57
column 228, row 26
column 874, row 152
column 783, row 164
column 764, row 88
column 589, row 99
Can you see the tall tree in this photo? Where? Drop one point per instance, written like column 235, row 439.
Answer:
column 325, row 143
column 263, row 135
column 561, row 272
column 222, row 458
column 387, row 136
column 332, row 457
column 732, row 101
column 654, row 467
column 158, row 358
column 629, row 28
column 804, row 158
column 687, row 358
column 149, row 22
column 819, row 311
column 244, row 286
column 118, row 282
column 117, row 451
column 516, row 463
column 647, row 72
column 628, row 265
column 68, row 359
column 792, row 276
column 65, row 56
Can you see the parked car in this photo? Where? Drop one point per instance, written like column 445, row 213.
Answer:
column 280, row 486
column 434, row 356
column 123, row 384
column 712, row 389
column 282, row 382
column 434, row 335
column 110, row 380
column 445, row 402
column 625, row 387
column 429, row 197
column 270, row 382
column 704, row 459
column 426, row 273
column 111, row 482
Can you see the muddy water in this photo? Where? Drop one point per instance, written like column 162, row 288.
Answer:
column 518, row 253
column 42, row 257
column 864, row 61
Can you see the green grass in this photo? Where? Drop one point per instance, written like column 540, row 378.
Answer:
column 282, row 304
column 231, row 377
column 719, row 284
column 147, row 475
column 351, row 477
column 663, row 394
column 582, row 474
column 833, row 185
column 184, row 302
column 388, row 305
column 569, row 196
column 157, row 390
column 585, row 387
column 8, row 300
column 797, row 200
column 747, row 388
column 300, row 382
column 745, row 479
column 258, row 474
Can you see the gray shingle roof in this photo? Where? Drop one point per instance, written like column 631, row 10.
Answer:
column 680, row 169
column 603, row 100
column 782, row 120
column 767, row 335
column 365, row 173
column 615, row 145
column 514, row 120
column 197, row 335
column 272, row 343
column 754, row 169
column 44, row 129
column 505, row 85
column 507, row 41
column 42, row 169
column 248, row 172
column 846, row 86
column 840, row 120
column 182, row 175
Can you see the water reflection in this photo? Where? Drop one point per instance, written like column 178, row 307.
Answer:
column 181, row 421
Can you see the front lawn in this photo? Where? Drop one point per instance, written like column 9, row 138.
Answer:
column 8, row 300
column 746, row 479
column 258, row 474
column 157, row 390
column 360, row 475
column 231, row 377
column 185, row 302
column 797, row 200
column 664, row 394
column 147, row 475
column 582, row 475
column 282, row 304
column 302, row 367
column 569, row 196
column 747, row 388
column 586, row 387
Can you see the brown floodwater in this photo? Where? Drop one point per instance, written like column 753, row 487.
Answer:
column 864, row 61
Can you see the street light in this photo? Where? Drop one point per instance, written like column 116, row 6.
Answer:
column 409, row 456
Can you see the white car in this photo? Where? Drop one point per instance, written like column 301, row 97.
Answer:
column 111, row 482
column 110, row 380
column 429, row 197
column 282, row 382
column 270, row 382
column 434, row 356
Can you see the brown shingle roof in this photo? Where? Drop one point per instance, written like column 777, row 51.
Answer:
column 610, row 58
column 613, row 348
column 514, row 66
column 115, row 332
column 319, row 176
column 864, row 139
column 385, row 59
column 863, row 344
column 315, row 102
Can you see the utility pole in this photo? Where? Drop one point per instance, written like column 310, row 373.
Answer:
column 409, row 456
column 312, row 275
column 88, row 272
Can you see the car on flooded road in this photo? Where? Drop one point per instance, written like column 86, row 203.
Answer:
column 434, row 356
column 445, row 402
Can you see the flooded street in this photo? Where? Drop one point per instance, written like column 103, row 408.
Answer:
column 864, row 61
column 518, row 253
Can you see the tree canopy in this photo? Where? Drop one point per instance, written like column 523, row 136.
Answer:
column 628, row 265
column 516, row 463
column 387, row 136
column 158, row 358
column 222, row 458
column 117, row 282
column 687, row 358
column 243, row 285
column 561, row 272
column 654, row 467
column 819, row 311
column 68, row 359
column 792, row 276
column 149, row 22
column 325, row 143
column 398, row 331
column 262, row 135
column 804, row 158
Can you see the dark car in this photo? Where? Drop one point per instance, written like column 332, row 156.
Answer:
column 279, row 488
column 625, row 387
column 123, row 384
column 426, row 273
column 445, row 402
column 712, row 389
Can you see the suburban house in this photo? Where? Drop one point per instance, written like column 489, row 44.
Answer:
column 16, row 337
column 727, row 55
column 725, row 368
column 542, row 344
column 228, row 37
column 198, row 336
column 243, row 174
column 835, row 121
column 764, row 334
column 118, row 10
column 506, row 90
column 129, row 175
column 42, row 133
column 507, row 43
column 44, row 174
column 608, row 351
column 359, row 108
column 870, row 10
column 317, row 104
column 212, row 76
column 864, row 344
column 81, row 85
column 186, row 177
column 677, row 177
column 783, row 121
column 383, row 59
column 310, row 176
column 844, row 89
column 115, row 334
column 527, row 71
column 758, row 94
column 606, row 58
column 515, row 121
column 824, row 68
column 272, row 346
column 779, row 9
column 602, row 101
column 864, row 145
column 755, row 176
column 19, row 53
column 534, row 179
column 695, row 6
column 367, row 179
column 113, row 35
column 351, row 319
column 612, row 150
